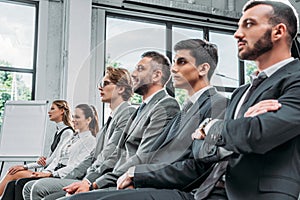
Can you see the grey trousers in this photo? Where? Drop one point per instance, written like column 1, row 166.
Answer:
column 38, row 189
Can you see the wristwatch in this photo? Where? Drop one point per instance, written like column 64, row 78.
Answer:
column 91, row 187
column 203, row 125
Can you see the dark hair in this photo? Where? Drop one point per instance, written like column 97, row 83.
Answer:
column 159, row 62
column 121, row 77
column 282, row 13
column 67, row 118
column 90, row 111
column 202, row 51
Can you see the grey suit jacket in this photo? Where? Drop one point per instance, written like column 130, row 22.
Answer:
column 266, row 163
column 107, row 140
column 139, row 135
column 173, row 156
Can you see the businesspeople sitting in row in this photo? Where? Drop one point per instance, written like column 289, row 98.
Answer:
column 60, row 114
column 68, row 153
column 260, row 132
column 142, row 130
column 115, row 89
column 193, row 66
column 251, row 154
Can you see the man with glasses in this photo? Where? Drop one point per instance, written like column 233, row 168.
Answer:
column 194, row 64
column 144, row 126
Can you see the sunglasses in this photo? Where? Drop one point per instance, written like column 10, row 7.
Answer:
column 103, row 84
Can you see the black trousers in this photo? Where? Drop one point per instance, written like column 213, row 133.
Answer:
column 13, row 190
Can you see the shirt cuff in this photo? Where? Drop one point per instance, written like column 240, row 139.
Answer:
column 131, row 171
column 88, row 181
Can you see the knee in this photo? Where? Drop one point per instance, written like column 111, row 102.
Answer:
column 26, row 190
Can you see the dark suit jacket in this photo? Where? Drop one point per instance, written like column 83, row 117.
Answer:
column 266, row 160
column 177, row 148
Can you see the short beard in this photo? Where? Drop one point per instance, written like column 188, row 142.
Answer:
column 141, row 90
column 263, row 45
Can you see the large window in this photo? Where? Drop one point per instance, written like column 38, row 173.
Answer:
column 127, row 37
column 17, row 52
column 129, row 34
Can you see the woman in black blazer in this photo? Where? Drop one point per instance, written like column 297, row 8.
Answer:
column 60, row 114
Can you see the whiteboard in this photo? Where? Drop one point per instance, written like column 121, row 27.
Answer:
column 23, row 128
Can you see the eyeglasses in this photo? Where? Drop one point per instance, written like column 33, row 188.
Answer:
column 103, row 84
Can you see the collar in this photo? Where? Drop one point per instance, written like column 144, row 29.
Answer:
column 273, row 68
column 84, row 134
column 60, row 126
column 113, row 112
column 197, row 94
column 148, row 99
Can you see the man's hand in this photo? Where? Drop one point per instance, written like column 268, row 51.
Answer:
column 199, row 133
column 41, row 161
column 15, row 169
column 124, row 181
column 41, row 174
column 71, row 189
column 77, row 187
column 263, row 107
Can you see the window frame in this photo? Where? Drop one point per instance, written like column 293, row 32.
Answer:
column 32, row 71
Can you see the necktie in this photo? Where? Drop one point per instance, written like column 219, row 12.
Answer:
column 177, row 122
column 255, row 83
column 186, row 106
column 108, row 122
column 140, row 108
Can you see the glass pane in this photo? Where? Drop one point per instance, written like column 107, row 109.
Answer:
column 250, row 67
column 182, row 33
column 178, row 34
column 17, row 34
column 14, row 86
column 227, row 72
column 127, row 40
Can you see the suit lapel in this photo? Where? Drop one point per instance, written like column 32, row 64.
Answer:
column 235, row 100
column 269, row 82
column 143, row 114
column 117, row 115
column 195, row 109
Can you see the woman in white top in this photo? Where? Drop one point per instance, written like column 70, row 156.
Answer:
column 60, row 114
column 68, row 153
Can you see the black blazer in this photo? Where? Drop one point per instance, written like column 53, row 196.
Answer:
column 266, row 163
column 173, row 166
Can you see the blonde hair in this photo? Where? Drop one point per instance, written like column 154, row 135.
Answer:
column 66, row 118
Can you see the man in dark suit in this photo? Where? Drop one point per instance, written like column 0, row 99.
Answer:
column 144, row 126
column 265, row 145
column 194, row 64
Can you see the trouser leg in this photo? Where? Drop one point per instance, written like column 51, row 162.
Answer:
column 9, row 191
column 19, row 185
column 46, row 186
